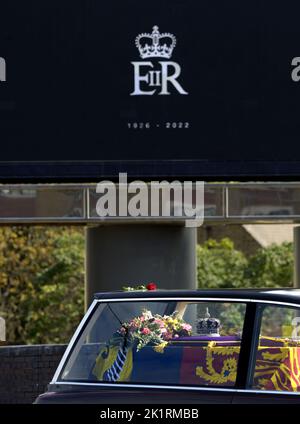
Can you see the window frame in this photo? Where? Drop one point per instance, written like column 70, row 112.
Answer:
column 246, row 362
column 260, row 307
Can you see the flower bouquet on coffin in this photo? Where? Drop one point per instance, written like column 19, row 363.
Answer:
column 146, row 329
column 155, row 330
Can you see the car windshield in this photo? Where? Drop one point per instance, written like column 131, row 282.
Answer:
column 158, row 342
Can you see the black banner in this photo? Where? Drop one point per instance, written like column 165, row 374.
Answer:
column 161, row 88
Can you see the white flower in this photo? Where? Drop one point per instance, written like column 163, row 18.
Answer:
column 147, row 315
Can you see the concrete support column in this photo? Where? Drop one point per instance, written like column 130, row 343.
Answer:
column 297, row 257
column 120, row 255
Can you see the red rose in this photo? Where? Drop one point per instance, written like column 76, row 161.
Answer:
column 151, row 286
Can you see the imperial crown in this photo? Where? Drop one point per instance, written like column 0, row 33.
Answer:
column 156, row 44
column 208, row 326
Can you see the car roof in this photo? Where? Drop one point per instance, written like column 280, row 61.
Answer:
column 276, row 295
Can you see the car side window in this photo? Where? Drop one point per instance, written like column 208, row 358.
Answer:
column 277, row 366
column 160, row 342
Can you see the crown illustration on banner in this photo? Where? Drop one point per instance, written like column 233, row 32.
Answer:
column 156, row 44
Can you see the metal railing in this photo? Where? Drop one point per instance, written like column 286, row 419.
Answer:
column 75, row 204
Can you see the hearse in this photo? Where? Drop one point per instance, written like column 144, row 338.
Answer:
column 206, row 346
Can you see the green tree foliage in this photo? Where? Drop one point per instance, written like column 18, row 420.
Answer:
column 271, row 267
column 41, row 282
column 220, row 265
column 42, row 278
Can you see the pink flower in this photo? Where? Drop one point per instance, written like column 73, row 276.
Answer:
column 167, row 336
column 186, row 327
column 159, row 322
column 146, row 331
